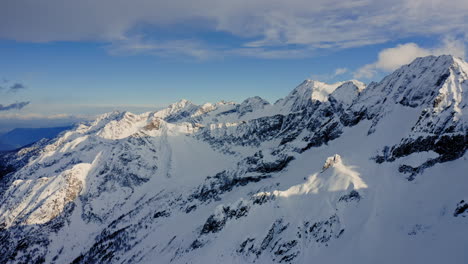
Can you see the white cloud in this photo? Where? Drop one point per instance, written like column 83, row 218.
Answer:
column 451, row 46
column 310, row 24
column 391, row 59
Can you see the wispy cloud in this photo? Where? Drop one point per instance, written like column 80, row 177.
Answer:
column 270, row 53
column 12, row 88
column 201, row 50
column 5, row 86
column 13, row 106
column 331, row 77
column 267, row 26
column 340, row 71
column 16, row 87
column 138, row 45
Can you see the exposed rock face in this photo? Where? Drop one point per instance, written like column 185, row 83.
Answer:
column 441, row 125
column 321, row 170
column 331, row 161
column 462, row 209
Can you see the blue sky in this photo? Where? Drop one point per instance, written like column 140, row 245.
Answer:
column 76, row 59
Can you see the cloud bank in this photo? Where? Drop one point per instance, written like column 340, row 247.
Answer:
column 266, row 26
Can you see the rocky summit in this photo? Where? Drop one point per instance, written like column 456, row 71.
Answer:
column 331, row 173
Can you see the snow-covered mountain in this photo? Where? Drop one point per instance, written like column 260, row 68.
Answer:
column 329, row 174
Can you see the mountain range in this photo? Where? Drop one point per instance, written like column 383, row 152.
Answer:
column 331, row 173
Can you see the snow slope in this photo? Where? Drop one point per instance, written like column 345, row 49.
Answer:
column 331, row 173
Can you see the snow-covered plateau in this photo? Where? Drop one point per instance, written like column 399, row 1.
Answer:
column 331, row 173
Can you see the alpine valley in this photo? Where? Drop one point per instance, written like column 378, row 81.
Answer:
column 331, row 173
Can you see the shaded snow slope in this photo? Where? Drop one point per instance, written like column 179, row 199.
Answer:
column 331, row 173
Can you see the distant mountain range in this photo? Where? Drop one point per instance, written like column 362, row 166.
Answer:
column 20, row 137
column 331, row 173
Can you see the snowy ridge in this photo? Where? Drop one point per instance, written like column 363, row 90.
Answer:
column 306, row 92
column 330, row 173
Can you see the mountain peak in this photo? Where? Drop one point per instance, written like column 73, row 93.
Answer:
column 255, row 100
column 307, row 92
column 252, row 104
column 346, row 93
column 182, row 103
column 417, row 83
